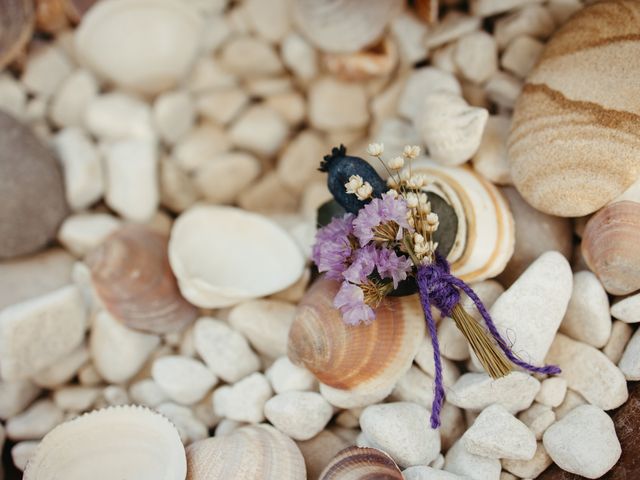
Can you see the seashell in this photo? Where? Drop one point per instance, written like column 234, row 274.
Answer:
column 117, row 442
column 256, row 452
column 130, row 273
column 16, row 26
column 32, row 199
column 51, row 16
column 485, row 231
column 361, row 463
column 363, row 359
column 610, row 247
column 344, row 25
column 224, row 255
column 427, row 10
column 141, row 45
column 451, row 129
column 76, row 9
column 376, row 61
column 573, row 144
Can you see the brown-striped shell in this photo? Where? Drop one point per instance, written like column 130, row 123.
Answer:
column 131, row 275
column 17, row 18
column 376, row 61
column 358, row 463
column 485, row 231
column 256, row 452
column 363, row 359
column 574, row 139
column 51, row 15
column 610, row 247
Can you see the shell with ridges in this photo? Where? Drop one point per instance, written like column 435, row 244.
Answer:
column 610, row 247
column 256, row 452
column 16, row 26
column 141, row 45
column 361, row 463
column 118, row 442
column 485, row 236
column 344, row 25
column 574, row 136
column 376, row 61
column 131, row 275
column 224, row 255
column 363, row 359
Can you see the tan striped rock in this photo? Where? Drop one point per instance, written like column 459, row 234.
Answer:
column 576, row 127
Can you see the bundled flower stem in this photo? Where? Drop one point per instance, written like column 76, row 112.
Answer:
column 389, row 239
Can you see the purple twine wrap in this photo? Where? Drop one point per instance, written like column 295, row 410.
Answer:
column 439, row 288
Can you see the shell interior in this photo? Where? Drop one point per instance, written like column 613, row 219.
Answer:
column 357, row 463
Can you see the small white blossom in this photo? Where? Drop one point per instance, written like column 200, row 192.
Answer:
column 364, row 191
column 411, row 151
column 375, row 149
column 432, row 218
column 423, row 198
column 392, row 193
column 396, row 163
column 418, row 239
column 392, row 183
column 354, row 183
column 412, row 200
column 416, row 181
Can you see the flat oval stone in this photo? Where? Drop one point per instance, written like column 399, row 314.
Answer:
column 32, row 199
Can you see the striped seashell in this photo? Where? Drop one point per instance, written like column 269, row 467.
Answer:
column 344, row 25
column 256, row 452
column 610, row 247
column 117, row 442
column 485, row 232
column 16, row 25
column 362, row 359
column 361, row 463
column 131, row 275
column 574, row 138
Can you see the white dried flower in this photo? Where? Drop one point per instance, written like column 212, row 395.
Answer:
column 432, row 219
column 412, row 200
column 411, row 151
column 392, row 183
column 392, row 193
column 354, row 183
column 416, row 181
column 425, row 207
column 364, row 191
column 375, row 149
column 396, row 163
column 423, row 198
column 418, row 239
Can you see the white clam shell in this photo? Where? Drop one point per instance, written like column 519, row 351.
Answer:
column 451, row 129
column 486, row 233
column 141, row 45
column 127, row 442
column 224, row 255
column 344, row 25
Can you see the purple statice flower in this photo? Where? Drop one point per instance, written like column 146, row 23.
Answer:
column 389, row 208
column 392, row 266
column 332, row 249
column 350, row 301
column 364, row 261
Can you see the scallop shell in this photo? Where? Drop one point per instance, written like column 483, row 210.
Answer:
column 485, row 237
column 361, row 463
column 224, row 255
column 376, row 61
column 451, row 128
column 16, row 26
column 363, row 359
column 610, row 247
column 256, row 452
column 574, row 138
column 131, row 274
column 123, row 442
column 344, row 26
column 141, row 45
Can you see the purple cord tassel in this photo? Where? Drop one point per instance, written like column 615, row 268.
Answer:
column 438, row 287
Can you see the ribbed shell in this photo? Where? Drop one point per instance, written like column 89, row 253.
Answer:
column 17, row 18
column 131, row 274
column 356, row 463
column 256, row 452
column 574, row 137
column 362, row 358
column 610, row 247
column 124, row 442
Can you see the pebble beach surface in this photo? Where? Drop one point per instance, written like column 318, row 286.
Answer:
column 159, row 186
